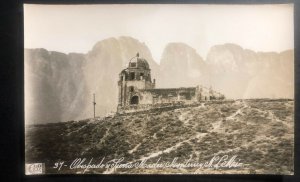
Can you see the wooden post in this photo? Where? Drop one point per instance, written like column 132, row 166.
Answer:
column 94, row 103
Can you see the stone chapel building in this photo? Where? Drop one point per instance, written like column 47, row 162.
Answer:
column 136, row 88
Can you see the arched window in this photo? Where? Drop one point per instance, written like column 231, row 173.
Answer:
column 132, row 75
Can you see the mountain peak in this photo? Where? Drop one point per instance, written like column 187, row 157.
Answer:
column 128, row 38
column 227, row 46
column 181, row 65
column 100, row 44
column 178, row 45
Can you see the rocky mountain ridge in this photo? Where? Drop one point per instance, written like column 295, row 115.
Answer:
column 59, row 87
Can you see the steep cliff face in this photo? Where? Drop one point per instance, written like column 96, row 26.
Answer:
column 241, row 73
column 230, row 69
column 104, row 63
column 60, row 87
column 54, row 86
column 181, row 66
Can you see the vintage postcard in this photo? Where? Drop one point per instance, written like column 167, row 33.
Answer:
column 159, row 89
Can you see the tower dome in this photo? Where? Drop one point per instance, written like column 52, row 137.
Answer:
column 138, row 62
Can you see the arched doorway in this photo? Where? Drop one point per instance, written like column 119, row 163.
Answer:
column 134, row 100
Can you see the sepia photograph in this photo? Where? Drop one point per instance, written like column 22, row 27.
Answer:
column 159, row 89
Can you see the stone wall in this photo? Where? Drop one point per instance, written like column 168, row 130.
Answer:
column 145, row 107
column 170, row 95
column 131, row 109
column 167, row 97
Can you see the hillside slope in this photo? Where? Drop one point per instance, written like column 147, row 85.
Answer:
column 259, row 132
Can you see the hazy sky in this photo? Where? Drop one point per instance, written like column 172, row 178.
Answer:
column 76, row 28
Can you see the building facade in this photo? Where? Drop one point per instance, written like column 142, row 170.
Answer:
column 136, row 88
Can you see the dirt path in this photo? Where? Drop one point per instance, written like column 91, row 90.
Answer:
column 174, row 147
column 238, row 112
column 68, row 134
column 184, row 117
column 162, row 129
column 102, row 140
column 135, row 148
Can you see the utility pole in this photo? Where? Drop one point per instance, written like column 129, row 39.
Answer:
column 94, row 103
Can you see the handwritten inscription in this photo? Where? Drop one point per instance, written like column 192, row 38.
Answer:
column 85, row 164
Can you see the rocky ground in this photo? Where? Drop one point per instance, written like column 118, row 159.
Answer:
column 260, row 132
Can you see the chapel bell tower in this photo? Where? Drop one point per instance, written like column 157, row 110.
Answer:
column 133, row 79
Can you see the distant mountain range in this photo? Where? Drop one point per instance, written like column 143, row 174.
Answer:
column 59, row 87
